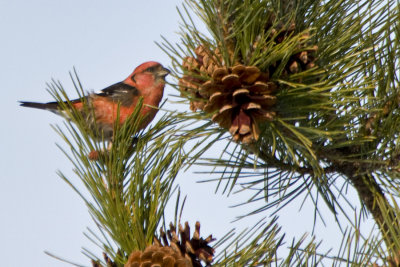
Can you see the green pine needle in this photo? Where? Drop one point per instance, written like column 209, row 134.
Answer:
column 130, row 184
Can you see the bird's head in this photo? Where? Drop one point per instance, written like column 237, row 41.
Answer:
column 148, row 74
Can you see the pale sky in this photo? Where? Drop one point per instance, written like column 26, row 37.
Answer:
column 105, row 41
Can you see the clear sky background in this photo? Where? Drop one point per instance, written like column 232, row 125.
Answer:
column 105, row 41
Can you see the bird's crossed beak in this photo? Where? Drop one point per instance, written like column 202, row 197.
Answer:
column 164, row 72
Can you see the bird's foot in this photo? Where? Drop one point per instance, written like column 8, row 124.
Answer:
column 95, row 154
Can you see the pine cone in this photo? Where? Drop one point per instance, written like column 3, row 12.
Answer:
column 239, row 98
column 195, row 249
column 157, row 256
column 300, row 61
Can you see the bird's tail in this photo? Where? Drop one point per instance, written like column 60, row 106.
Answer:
column 51, row 106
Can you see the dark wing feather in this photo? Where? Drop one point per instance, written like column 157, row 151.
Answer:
column 49, row 106
column 120, row 92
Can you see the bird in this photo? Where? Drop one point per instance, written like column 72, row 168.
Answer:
column 146, row 81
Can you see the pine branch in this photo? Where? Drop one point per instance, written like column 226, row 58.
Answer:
column 328, row 76
column 130, row 183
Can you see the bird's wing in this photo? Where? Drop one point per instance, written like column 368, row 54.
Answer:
column 120, row 92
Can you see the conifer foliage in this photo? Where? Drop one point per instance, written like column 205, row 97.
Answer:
column 308, row 89
column 307, row 94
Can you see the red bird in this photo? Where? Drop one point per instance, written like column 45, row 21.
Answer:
column 146, row 81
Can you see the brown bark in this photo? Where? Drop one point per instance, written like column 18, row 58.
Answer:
column 371, row 194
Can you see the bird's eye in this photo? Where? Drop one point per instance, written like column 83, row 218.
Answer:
column 133, row 78
column 150, row 69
